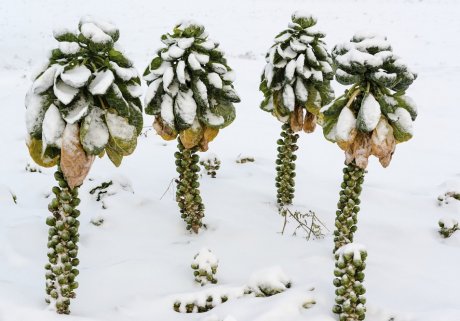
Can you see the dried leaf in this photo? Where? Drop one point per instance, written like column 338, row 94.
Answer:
column 208, row 136
column 191, row 136
column 383, row 142
column 296, row 119
column 309, row 123
column 75, row 163
column 162, row 129
column 359, row 151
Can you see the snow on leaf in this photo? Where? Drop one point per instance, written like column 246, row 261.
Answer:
column 193, row 62
column 202, row 58
column 45, row 81
column 289, row 71
column 345, row 124
column 76, row 110
column 134, row 90
column 289, row 97
column 215, row 80
column 185, row 106
column 69, row 48
column 185, row 43
column 94, row 133
column 301, row 91
column 151, row 91
column 62, row 91
column 102, row 82
column 34, row 114
column 369, row 114
column 167, row 112
column 124, row 73
column 180, row 72
column 168, row 77
column 94, row 33
column 77, row 76
column 53, row 127
column 175, row 51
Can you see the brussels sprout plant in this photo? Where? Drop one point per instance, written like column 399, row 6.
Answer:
column 370, row 118
column 190, row 93
column 295, row 84
column 84, row 104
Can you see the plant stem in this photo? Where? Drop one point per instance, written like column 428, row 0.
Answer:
column 62, row 243
column 347, row 212
column 285, row 166
column 188, row 193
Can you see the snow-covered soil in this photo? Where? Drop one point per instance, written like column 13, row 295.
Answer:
column 137, row 263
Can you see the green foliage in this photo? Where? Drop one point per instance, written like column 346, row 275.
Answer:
column 298, row 71
column 188, row 193
column 86, row 78
column 63, row 237
column 190, row 84
column 348, row 205
column 349, row 273
column 285, row 166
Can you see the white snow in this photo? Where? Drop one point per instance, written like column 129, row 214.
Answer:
column 208, row 44
column 62, row 91
column 300, row 91
column 167, row 113
column 53, row 127
column 296, row 45
column 151, row 91
column 193, row 62
column 97, row 134
column 168, row 77
column 45, row 81
column 345, row 124
column 135, row 90
column 404, row 119
column 219, row 68
column 289, row 71
column 300, row 14
column 180, row 72
column 79, row 110
column 94, row 33
column 215, row 80
column 213, row 119
column 185, row 106
column 69, row 48
column 77, row 76
column 35, row 111
column 119, row 127
column 371, row 112
column 185, row 43
column 124, row 73
column 271, row 278
column 101, row 82
column 175, row 51
column 202, row 90
column 202, row 58
column 288, row 97
column 269, row 74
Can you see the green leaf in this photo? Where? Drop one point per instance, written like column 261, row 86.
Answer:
column 114, row 156
column 118, row 57
column 116, row 100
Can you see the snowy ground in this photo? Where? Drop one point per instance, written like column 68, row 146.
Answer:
column 137, row 262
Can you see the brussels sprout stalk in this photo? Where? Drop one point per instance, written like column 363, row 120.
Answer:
column 349, row 267
column 348, row 205
column 285, row 166
column 62, row 243
column 188, row 193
